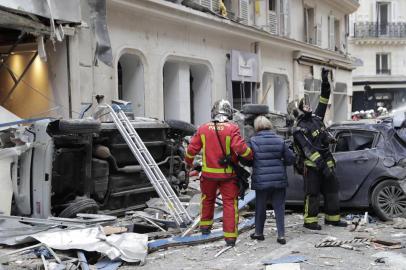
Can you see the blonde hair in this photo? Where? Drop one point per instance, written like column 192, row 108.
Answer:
column 262, row 123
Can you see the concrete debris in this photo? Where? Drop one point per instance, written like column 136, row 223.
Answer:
column 285, row 260
column 391, row 259
column 399, row 223
column 284, row 266
column 222, row 251
column 197, row 238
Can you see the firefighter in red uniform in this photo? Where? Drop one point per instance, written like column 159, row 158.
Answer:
column 216, row 174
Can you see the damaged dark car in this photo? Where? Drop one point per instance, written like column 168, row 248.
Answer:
column 371, row 168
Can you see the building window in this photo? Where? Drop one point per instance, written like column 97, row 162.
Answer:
column 331, row 33
column 337, row 32
column 383, row 63
column 383, row 17
column 272, row 5
column 310, row 27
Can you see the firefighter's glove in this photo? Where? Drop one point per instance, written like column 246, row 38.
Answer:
column 324, row 74
column 328, row 172
column 320, row 164
column 332, row 141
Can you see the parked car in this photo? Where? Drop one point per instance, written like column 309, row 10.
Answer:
column 371, row 163
column 84, row 166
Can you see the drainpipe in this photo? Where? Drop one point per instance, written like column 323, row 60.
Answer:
column 295, row 86
column 257, row 51
column 69, row 76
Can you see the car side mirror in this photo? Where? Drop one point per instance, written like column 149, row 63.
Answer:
column 389, row 162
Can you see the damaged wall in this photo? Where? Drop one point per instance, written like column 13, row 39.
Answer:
column 31, row 97
column 43, row 89
column 158, row 41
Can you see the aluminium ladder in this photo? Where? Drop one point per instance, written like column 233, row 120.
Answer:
column 151, row 169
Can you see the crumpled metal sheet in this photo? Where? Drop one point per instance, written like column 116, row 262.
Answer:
column 99, row 21
column 13, row 232
column 62, row 10
column 129, row 247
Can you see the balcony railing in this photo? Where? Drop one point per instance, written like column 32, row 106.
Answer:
column 379, row 30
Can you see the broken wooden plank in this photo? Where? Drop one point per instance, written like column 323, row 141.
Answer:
column 196, row 238
column 108, row 230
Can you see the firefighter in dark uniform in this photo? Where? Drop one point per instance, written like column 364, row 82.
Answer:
column 312, row 140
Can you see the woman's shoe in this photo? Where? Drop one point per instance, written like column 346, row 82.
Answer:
column 281, row 240
column 257, row 237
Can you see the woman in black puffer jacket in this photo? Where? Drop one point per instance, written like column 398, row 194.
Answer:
column 271, row 156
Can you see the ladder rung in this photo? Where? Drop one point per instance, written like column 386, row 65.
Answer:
column 141, row 152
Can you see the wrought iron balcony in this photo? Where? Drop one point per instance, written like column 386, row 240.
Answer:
column 379, row 30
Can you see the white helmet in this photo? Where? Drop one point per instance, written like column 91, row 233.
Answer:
column 221, row 110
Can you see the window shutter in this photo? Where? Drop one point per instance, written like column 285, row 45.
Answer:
column 273, row 22
column 284, row 18
column 374, row 11
column 215, row 5
column 318, row 34
column 243, row 10
column 378, row 63
column 306, row 25
column 205, row 3
column 331, row 42
column 394, row 17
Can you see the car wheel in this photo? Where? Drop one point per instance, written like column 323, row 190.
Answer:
column 186, row 128
column 255, row 109
column 388, row 200
column 86, row 205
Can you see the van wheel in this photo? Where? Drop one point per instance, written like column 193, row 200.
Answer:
column 388, row 200
column 86, row 205
column 255, row 109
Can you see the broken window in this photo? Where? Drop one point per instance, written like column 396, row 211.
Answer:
column 312, row 89
column 354, row 141
column 243, row 93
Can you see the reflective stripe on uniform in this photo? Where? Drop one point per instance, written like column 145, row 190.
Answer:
column 306, row 217
column 230, row 235
column 323, row 100
column 315, row 133
column 330, row 163
column 229, row 169
column 247, row 152
column 311, row 219
column 310, row 163
column 314, row 156
column 206, row 222
column 228, row 145
column 332, row 217
column 189, row 155
column 236, row 216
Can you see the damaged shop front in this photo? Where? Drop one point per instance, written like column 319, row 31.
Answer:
column 307, row 70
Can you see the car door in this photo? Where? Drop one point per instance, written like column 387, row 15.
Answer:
column 356, row 156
